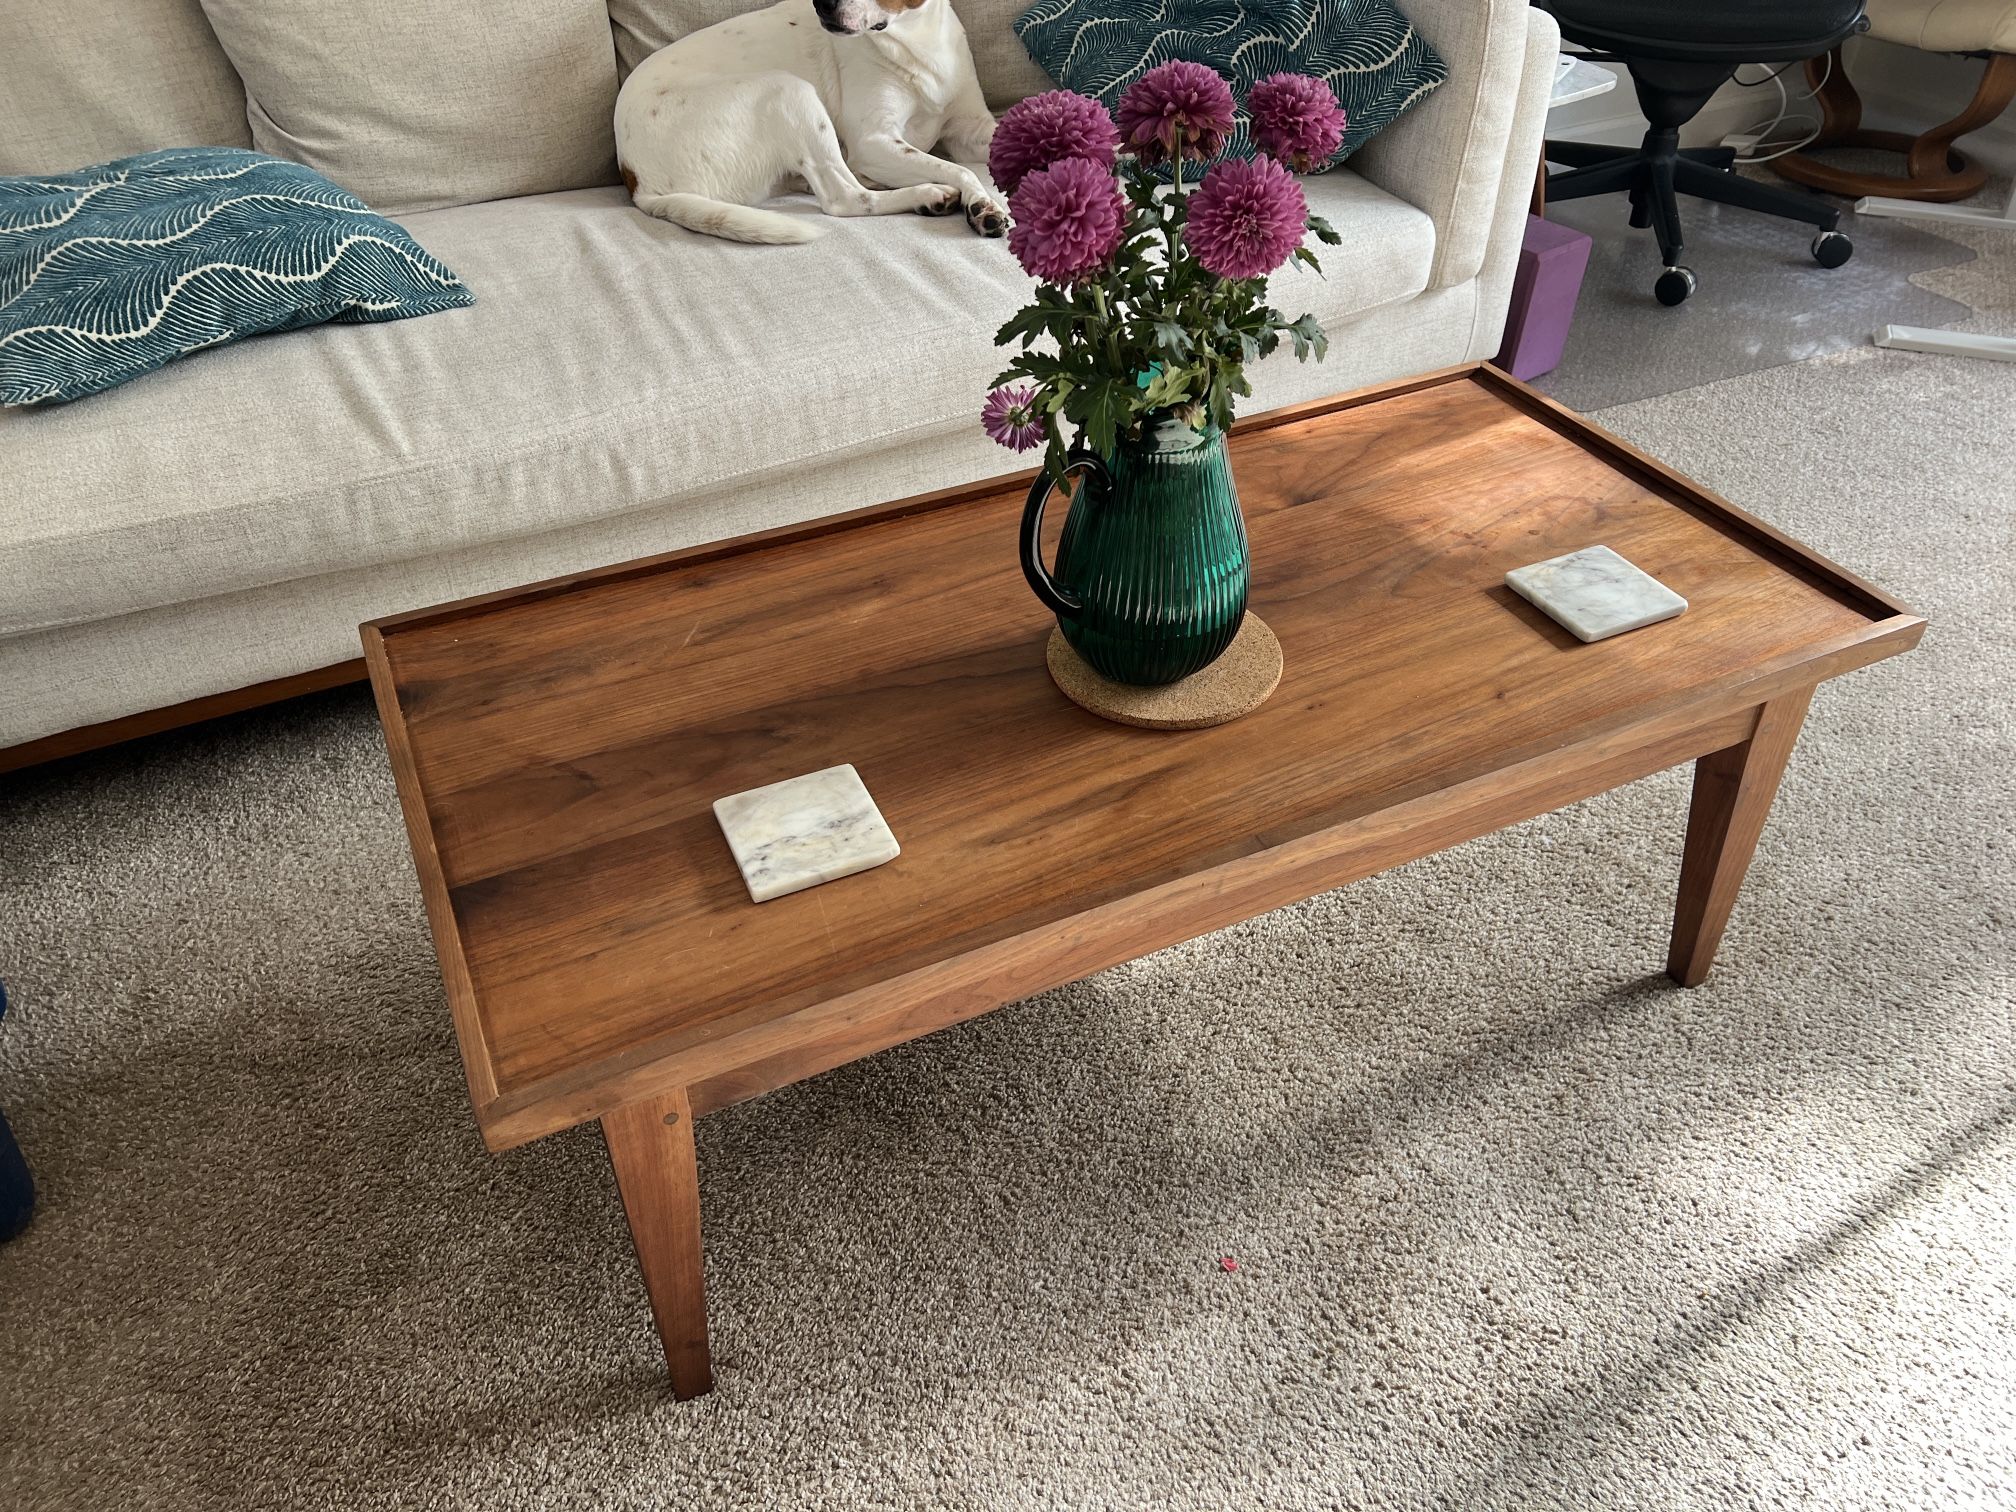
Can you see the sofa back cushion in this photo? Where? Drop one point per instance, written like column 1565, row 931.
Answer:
column 416, row 104
column 1006, row 72
column 86, row 80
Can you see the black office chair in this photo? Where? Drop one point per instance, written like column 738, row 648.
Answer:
column 1679, row 55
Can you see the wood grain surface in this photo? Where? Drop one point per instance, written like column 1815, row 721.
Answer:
column 557, row 749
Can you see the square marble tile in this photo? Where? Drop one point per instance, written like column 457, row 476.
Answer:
column 803, row 831
column 1595, row 593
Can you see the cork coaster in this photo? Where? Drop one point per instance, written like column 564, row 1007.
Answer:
column 1235, row 684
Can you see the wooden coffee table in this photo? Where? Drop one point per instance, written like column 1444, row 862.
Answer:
column 557, row 749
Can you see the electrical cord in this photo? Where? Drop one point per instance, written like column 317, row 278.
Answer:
column 1757, row 83
column 1811, row 124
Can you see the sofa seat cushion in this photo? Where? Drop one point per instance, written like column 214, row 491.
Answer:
column 612, row 363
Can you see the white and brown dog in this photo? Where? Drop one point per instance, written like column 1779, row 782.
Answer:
column 827, row 93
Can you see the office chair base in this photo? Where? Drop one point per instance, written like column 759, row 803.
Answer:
column 1656, row 174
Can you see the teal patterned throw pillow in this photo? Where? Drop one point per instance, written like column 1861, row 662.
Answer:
column 1368, row 52
column 113, row 271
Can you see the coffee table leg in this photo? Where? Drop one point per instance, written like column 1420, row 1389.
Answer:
column 651, row 1147
column 1733, row 789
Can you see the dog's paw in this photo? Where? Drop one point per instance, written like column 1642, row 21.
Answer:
column 986, row 217
column 943, row 202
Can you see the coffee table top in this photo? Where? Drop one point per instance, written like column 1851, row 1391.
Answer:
column 558, row 747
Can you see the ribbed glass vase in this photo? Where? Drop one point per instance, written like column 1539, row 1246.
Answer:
column 1152, row 571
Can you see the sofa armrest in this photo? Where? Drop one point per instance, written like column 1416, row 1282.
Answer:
column 1447, row 156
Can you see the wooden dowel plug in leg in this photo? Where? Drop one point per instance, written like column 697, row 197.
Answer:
column 651, row 1147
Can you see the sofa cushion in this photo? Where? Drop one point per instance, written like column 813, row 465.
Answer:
column 122, row 268
column 412, row 104
column 85, row 80
column 1005, row 70
column 611, row 364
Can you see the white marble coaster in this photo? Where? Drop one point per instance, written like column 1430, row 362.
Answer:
column 1595, row 593
column 803, row 831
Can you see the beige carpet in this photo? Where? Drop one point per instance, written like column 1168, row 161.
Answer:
column 1517, row 1224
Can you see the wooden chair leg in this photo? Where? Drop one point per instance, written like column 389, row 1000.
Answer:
column 1932, row 154
column 651, row 1147
column 1834, row 92
column 1733, row 790
column 1934, row 170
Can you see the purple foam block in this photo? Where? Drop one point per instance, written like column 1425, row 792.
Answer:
column 1552, row 261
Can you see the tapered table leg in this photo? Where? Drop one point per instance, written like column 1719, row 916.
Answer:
column 651, row 1147
column 1733, row 789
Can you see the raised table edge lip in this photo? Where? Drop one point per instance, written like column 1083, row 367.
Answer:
column 507, row 1121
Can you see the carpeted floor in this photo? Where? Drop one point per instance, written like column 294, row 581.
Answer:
column 1763, row 301
column 1517, row 1224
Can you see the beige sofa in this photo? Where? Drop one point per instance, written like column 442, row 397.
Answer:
column 621, row 386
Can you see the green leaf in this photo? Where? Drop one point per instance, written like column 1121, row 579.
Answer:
column 1220, row 403
column 1309, row 338
column 1043, row 318
column 1053, row 457
column 1168, row 389
column 1171, row 337
column 1325, row 232
column 1107, row 410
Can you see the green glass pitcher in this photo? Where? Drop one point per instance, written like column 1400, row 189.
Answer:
column 1152, row 571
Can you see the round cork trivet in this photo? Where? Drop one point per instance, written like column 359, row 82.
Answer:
column 1235, row 684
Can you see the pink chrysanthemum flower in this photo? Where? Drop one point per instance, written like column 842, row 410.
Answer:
column 1246, row 218
column 1297, row 119
column 1068, row 219
column 1009, row 416
column 1173, row 99
column 1046, row 129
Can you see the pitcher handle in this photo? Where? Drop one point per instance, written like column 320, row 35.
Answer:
column 1055, row 598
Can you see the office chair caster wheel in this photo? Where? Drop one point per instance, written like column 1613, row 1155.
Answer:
column 1674, row 285
column 1831, row 249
